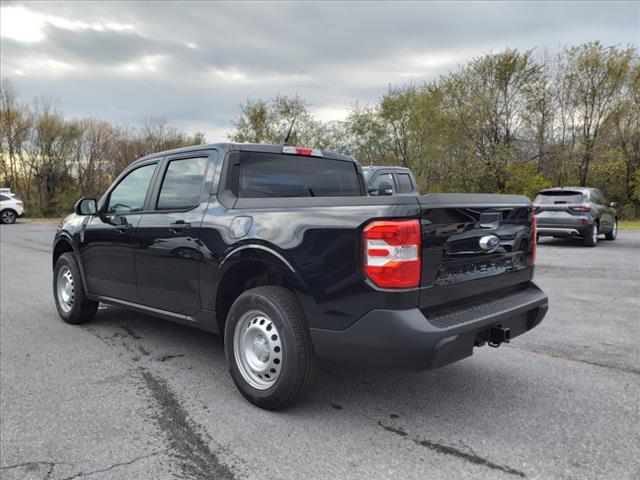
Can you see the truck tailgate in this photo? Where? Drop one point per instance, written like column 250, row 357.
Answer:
column 473, row 245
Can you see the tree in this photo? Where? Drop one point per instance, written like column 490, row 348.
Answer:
column 596, row 75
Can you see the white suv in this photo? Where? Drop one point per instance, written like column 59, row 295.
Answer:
column 10, row 207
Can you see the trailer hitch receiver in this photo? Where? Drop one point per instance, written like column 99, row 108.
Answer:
column 498, row 335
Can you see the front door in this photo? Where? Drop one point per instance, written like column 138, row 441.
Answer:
column 168, row 250
column 107, row 239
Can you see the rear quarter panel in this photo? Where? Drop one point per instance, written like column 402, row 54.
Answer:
column 320, row 239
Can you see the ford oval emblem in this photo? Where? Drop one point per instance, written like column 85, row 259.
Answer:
column 489, row 243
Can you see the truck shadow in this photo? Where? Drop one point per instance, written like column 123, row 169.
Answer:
column 413, row 407
column 144, row 339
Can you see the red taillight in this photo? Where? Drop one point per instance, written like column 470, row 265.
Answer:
column 392, row 253
column 534, row 233
column 309, row 152
column 580, row 208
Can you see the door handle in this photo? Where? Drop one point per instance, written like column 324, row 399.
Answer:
column 179, row 226
column 124, row 228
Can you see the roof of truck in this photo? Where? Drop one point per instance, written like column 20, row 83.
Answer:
column 386, row 167
column 248, row 147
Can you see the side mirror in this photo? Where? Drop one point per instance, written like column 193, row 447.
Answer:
column 86, row 206
column 613, row 204
column 385, row 188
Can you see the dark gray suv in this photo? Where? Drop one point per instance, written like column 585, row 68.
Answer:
column 575, row 212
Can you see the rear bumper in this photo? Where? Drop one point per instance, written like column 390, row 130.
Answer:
column 554, row 231
column 409, row 339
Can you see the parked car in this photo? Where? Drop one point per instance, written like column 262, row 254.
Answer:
column 280, row 250
column 390, row 181
column 10, row 207
column 575, row 212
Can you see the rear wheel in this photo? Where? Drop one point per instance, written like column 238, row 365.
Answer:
column 268, row 347
column 8, row 216
column 614, row 231
column 591, row 238
column 72, row 304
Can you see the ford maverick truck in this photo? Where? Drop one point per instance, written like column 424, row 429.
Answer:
column 281, row 251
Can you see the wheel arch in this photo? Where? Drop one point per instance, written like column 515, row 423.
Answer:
column 253, row 266
column 63, row 244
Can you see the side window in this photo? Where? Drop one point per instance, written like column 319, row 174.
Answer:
column 182, row 184
column 3, row 198
column 383, row 180
column 404, row 183
column 129, row 194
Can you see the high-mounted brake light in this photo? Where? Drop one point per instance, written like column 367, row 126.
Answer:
column 309, row 152
column 580, row 208
column 534, row 239
column 392, row 253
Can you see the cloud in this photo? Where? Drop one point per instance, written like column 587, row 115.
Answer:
column 196, row 62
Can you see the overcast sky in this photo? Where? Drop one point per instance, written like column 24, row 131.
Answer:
column 194, row 63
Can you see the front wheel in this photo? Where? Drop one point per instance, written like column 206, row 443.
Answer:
column 591, row 237
column 614, row 231
column 72, row 304
column 268, row 347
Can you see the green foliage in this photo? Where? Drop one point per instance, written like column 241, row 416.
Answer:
column 524, row 179
column 506, row 122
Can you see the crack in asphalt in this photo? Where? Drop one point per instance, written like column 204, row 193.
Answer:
column 563, row 356
column 29, row 466
column 115, row 465
column 187, row 445
column 197, row 460
column 449, row 450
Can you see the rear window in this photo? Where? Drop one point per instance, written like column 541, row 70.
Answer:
column 265, row 175
column 404, row 183
column 558, row 197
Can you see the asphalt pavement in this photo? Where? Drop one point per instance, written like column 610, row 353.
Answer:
column 129, row 396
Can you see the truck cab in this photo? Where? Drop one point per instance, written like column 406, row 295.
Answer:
column 383, row 181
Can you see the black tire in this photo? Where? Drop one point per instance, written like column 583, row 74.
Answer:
column 591, row 238
column 8, row 216
column 613, row 233
column 296, row 355
column 80, row 309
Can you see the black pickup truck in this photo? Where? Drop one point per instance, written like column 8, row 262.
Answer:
column 280, row 250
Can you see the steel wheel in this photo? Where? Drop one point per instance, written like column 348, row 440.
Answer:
column 8, row 216
column 257, row 349
column 65, row 289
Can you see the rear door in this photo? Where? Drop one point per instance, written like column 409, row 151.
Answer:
column 168, row 249
column 603, row 211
